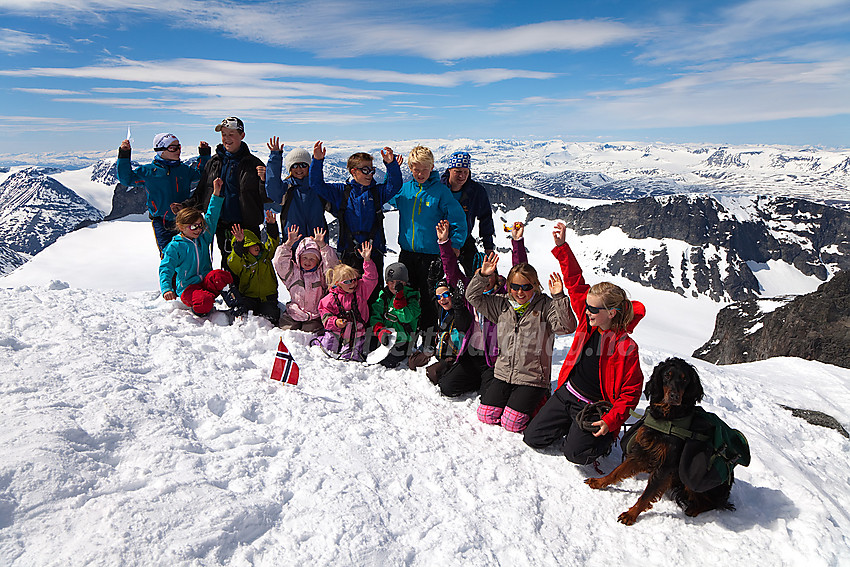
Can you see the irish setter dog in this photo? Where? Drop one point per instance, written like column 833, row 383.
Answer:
column 673, row 390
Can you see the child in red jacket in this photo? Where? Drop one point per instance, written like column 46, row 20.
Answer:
column 602, row 364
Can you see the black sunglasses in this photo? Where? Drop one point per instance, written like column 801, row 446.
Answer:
column 596, row 310
column 299, row 165
column 196, row 226
column 523, row 287
column 367, row 170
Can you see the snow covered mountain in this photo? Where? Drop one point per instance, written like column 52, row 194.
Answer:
column 35, row 210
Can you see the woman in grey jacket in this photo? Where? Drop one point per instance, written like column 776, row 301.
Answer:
column 527, row 322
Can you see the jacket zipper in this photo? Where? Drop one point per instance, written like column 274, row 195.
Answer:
column 413, row 216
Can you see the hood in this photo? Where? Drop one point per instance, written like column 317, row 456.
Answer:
column 251, row 239
column 308, row 244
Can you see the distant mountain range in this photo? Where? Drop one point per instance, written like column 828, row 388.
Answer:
column 695, row 220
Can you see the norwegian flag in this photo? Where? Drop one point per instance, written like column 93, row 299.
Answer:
column 285, row 369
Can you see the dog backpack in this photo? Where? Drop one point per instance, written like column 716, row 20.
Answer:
column 711, row 454
column 711, row 451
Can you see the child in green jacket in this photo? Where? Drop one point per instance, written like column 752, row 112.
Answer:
column 251, row 262
column 397, row 307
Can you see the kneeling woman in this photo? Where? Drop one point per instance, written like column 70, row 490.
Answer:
column 527, row 321
column 602, row 364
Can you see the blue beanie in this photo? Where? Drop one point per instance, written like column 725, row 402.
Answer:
column 459, row 159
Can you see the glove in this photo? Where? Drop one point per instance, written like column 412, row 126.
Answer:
column 400, row 301
column 376, row 330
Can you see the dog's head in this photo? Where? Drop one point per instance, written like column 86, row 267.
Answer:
column 674, row 386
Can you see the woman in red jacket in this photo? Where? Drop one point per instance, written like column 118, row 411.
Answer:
column 602, row 364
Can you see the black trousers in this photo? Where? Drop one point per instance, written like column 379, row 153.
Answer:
column 521, row 398
column 467, row 256
column 418, row 265
column 466, row 375
column 557, row 420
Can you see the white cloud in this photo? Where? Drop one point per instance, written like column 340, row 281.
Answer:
column 14, row 41
column 350, row 29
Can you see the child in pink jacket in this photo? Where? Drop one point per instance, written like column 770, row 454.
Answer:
column 304, row 278
column 345, row 309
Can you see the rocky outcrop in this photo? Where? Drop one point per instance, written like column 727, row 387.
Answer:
column 815, row 326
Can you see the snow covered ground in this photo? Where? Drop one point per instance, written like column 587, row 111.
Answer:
column 137, row 434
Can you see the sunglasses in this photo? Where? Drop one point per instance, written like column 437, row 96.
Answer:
column 523, row 287
column 300, row 165
column 349, row 282
column 196, row 226
column 367, row 170
column 444, row 295
column 173, row 147
column 596, row 310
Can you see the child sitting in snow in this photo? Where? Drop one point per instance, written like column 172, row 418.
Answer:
column 188, row 257
column 397, row 307
column 453, row 321
column 345, row 309
column 527, row 322
column 251, row 262
column 304, row 278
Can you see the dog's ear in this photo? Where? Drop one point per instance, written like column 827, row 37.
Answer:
column 654, row 389
column 694, row 390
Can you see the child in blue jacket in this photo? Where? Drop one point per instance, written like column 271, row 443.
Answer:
column 166, row 180
column 423, row 202
column 358, row 205
column 188, row 257
column 288, row 186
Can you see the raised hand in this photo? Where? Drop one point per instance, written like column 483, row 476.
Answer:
column 292, row 235
column 217, row 185
column 270, row 217
column 366, row 250
column 560, row 233
column 274, row 144
column 125, row 145
column 556, row 284
column 517, row 231
column 319, row 235
column 399, row 160
column 443, row 230
column 387, row 155
column 488, row 266
column 203, row 144
column 238, row 232
column 318, row 151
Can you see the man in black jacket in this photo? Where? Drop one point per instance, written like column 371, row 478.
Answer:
column 244, row 190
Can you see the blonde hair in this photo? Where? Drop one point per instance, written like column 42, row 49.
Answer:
column 421, row 155
column 527, row 271
column 360, row 159
column 614, row 297
column 188, row 216
column 339, row 273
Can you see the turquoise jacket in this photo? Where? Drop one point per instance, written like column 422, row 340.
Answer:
column 165, row 182
column 190, row 259
column 420, row 207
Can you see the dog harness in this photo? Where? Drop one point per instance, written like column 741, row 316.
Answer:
column 677, row 427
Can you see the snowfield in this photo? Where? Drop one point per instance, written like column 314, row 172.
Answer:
column 137, row 434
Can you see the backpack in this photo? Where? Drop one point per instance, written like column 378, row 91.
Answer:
column 711, row 451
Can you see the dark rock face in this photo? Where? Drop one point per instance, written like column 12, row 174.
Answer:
column 815, row 326
column 35, row 210
column 721, row 245
column 127, row 201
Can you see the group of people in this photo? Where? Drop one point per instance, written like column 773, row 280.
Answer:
column 443, row 300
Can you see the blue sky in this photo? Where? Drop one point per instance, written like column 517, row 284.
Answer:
column 75, row 74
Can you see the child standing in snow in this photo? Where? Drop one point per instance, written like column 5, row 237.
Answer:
column 167, row 180
column 602, row 364
column 251, row 262
column 304, row 278
column 345, row 309
column 188, row 257
column 397, row 307
column 287, row 185
column 527, row 322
